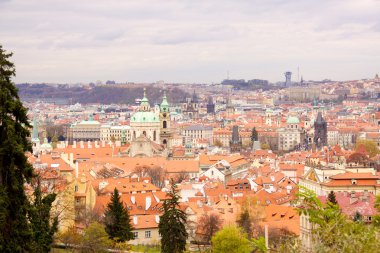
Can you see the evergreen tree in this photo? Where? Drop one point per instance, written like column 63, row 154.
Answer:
column 15, row 171
column 172, row 224
column 254, row 135
column 118, row 223
column 43, row 228
column 331, row 198
column 245, row 222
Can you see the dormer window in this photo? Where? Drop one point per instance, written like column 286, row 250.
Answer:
column 353, row 181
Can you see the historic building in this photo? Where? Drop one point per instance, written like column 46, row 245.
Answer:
column 289, row 138
column 235, row 143
column 210, row 106
column 320, row 131
column 86, row 130
column 190, row 107
column 146, row 122
column 165, row 133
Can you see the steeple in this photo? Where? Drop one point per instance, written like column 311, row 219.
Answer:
column 194, row 99
column 164, row 105
column 144, row 105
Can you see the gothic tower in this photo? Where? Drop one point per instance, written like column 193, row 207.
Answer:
column 235, row 143
column 210, row 106
column 320, row 131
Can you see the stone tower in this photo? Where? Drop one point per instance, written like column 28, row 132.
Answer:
column 235, row 143
column 210, row 106
column 320, row 131
column 165, row 133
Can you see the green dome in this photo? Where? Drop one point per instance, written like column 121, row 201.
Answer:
column 140, row 117
column 292, row 120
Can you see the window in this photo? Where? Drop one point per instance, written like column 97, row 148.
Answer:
column 76, row 188
column 136, row 235
column 147, row 234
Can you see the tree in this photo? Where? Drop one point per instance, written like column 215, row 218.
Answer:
column 331, row 198
column 218, row 143
column 172, row 223
column 70, row 238
column 254, row 135
column 265, row 146
column 208, row 225
column 117, row 220
column 231, row 239
column 95, row 239
column 332, row 230
column 370, row 147
column 15, row 171
column 43, row 226
column 251, row 216
column 245, row 222
column 155, row 173
column 54, row 141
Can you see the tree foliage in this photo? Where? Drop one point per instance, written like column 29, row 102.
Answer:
column 208, row 225
column 15, row 171
column 370, row 147
column 245, row 222
column 43, row 226
column 95, row 239
column 231, row 239
column 117, row 220
column 172, row 223
column 331, row 198
column 254, row 135
column 332, row 231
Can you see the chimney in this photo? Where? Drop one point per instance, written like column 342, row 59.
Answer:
column 135, row 219
column 103, row 144
column 89, row 144
column 133, row 199
column 76, row 169
column 74, row 144
column 71, row 157
column 157, row 219
column 81, row 144
column 148, row 202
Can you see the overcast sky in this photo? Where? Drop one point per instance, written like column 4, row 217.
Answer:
column 190, row 41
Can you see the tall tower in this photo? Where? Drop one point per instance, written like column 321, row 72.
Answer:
column 210, row 105
column 230, row 109
column 288, row 79
column 165, row 133
column 235, row 143
column 320, row 131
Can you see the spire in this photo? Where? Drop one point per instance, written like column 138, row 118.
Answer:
column 164, row 105
column 144, row 105
column 194, row 99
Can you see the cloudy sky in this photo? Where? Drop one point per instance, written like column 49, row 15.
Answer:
column 190, row 41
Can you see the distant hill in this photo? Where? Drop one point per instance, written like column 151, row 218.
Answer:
column 98, row 94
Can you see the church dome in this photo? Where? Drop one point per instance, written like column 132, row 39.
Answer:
column 292, row 120
column 142, row 117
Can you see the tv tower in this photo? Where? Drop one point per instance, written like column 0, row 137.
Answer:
column 288, row 79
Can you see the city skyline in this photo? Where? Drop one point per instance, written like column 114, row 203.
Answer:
column 186, row 41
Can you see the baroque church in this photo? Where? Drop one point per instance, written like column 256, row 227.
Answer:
column 150, row 129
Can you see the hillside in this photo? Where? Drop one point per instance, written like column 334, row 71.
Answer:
column 98, row 94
